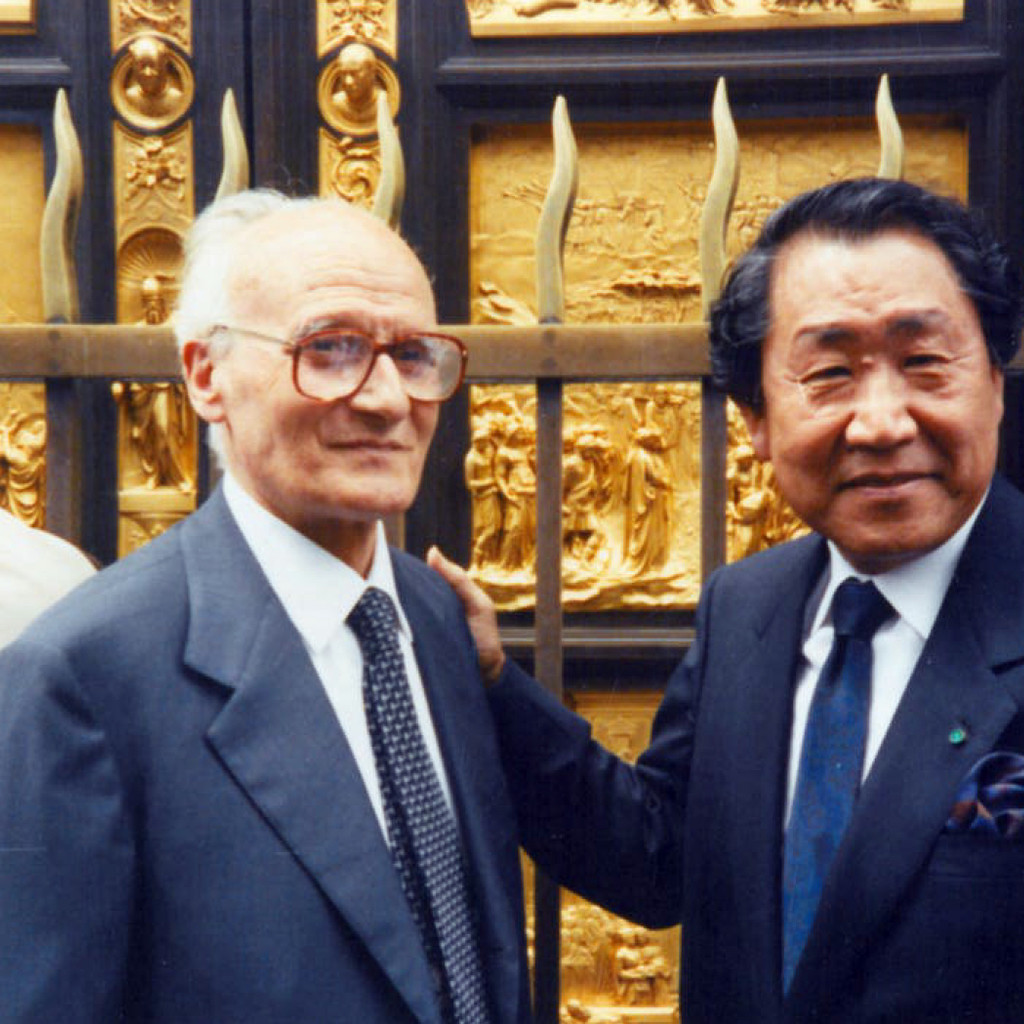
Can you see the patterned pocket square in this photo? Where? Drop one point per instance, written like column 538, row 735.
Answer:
column 991, row 798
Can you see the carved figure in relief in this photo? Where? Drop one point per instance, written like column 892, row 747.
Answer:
column 748, row 504
column 158, row 428
column 574, row 1011
column 586, row 492
column 641, row 970
column 154, row 300
column 356, row 94
column 152, row 86
column 648, row 498
column 516, row 475
column 531, row 8
column 481, row 479
column 23, row 465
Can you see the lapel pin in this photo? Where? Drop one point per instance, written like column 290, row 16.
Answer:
column 958, row 735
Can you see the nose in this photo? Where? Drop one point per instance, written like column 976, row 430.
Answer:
column 382, row 393
column 881, row 416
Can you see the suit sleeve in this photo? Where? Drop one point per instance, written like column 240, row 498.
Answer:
column 66, row 863
column 608, row 830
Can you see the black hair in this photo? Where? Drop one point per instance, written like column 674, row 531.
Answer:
column 855, row 210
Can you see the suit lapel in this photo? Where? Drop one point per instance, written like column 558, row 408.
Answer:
column 960, row 681
column 278, row 736
column 753, row 722
column 485, row 817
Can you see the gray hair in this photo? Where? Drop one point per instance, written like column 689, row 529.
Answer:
column 210, row 250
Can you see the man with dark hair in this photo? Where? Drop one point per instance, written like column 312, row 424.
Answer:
column 832, row 802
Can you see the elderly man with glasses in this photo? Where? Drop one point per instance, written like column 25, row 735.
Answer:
column 248, row 773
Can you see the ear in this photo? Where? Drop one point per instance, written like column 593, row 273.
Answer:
column 757, row 426
column 198, row 369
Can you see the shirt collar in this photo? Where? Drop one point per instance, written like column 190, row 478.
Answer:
column 317, row 589
column 915, row 590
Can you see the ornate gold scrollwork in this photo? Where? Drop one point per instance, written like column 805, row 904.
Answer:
column 348, row 168
column 171, row 18
column 348, row 21
column 152, row 88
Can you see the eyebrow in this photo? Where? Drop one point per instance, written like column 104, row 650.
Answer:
column 832, row 334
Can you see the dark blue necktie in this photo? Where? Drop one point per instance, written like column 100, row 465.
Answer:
column 831, row 762
column 421, row 829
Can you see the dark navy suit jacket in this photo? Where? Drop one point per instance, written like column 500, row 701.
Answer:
column 184, row 835
column 915, row 924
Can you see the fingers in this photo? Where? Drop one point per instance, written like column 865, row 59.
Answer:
column 472, row 597
column 480, row 614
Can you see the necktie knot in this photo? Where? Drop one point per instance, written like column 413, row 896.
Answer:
column 858, row 609
column 373, row 620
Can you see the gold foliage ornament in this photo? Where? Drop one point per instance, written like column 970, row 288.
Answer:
column 171, row 18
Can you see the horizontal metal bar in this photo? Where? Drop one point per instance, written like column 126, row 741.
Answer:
column 87, row 350
column 585, row 351
column 567, row 351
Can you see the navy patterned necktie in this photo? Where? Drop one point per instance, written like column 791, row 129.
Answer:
column 421, row 829
column 831, row 762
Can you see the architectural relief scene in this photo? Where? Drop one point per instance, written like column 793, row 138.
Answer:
column 612, row 971
column 756, row 516
column 22, row 406
column 577, row 17
column 23, row 451
column 630, row 494
column 631, row 256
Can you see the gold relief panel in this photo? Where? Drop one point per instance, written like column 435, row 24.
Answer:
column 349, row 168
column 756, row 514
column 631, row 256
column 22, row 197
column 148, row 270
column 630, row 493
column 170, row 18
column 631, row 251
column 152, row 85
column 138, row 528
column 17, row 17
column 153, row 180
column 22, row 406
column 23, row 451
column 597, row 17
column 611, row 970
column 158, row 447
column 348, row 21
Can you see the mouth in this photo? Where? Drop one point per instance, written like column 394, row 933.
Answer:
column 885, row 483
column 369, row 445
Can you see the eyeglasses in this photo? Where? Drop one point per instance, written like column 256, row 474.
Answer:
column 336, row 362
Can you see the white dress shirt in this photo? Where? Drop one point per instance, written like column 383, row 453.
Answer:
column 916, row 592
column 36, row 569
column 318, row 591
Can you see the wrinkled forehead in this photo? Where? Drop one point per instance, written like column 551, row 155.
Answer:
column 327, row 252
